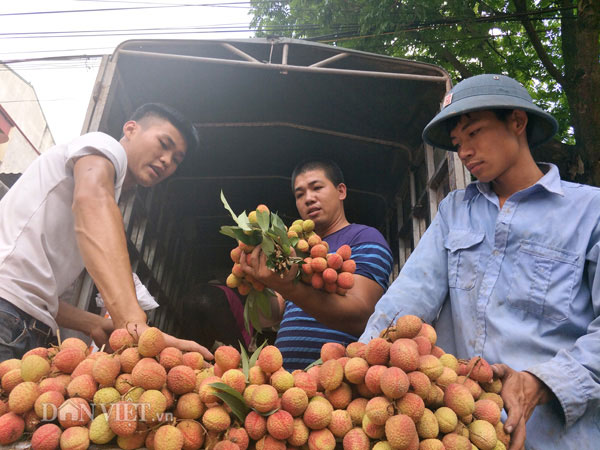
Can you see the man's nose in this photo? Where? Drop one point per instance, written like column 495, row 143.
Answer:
column 166, row 158
column 309, row 197
column 465, row 151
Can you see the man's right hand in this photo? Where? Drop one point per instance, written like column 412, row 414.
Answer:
column 137, row 328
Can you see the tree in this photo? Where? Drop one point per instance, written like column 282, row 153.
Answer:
column 552, row 47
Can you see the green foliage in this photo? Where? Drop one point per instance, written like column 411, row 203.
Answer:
column 233, row 399
column 465, row 37
column 248, row 362
column 316, row 362
column 270, row 233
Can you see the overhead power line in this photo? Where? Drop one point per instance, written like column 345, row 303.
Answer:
column 129, row 8
column 109, row 32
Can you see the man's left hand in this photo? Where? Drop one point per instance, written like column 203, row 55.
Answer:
column 521, row 392
column 255, row 265
column 101, row 333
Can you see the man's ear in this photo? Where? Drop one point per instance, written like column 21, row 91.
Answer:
column 520, row 120
column 129, row 128
column 341, row 188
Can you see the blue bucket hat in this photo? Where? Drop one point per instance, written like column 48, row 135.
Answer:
column 488, row 92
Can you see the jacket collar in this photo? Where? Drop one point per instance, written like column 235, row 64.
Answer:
column 551, row 182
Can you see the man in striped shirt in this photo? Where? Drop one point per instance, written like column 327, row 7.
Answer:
column 309, row 317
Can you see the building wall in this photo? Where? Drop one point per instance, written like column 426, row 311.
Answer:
column 17, row 153
column 31, row 133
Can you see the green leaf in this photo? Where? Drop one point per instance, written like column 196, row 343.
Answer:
column 314, row 363
column 249, row 239
column 228, row 208
column 254, row 316
column 247, row 316
column 262, row 218
column 267, row 414
column 272, row 235
column 244, row 222
column 268, row 247
column 228, row 389
column 282, row 238
column 233, row 399
column 229, row 231
column 245, row 360
column 254, row 356
column 264, row 303
column 277, row 222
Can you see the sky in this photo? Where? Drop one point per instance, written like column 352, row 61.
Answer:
column 31, row 29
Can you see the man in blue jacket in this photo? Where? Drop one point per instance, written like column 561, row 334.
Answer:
column 509, row 267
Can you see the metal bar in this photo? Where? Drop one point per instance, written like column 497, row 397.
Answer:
column 413, row 202
column 101, row 102
column 95, row 94
column 305, row 128
column 261, row 178
column 284, row 55
column 282, row 67
column 431, row 187
column 238, row 52
column 330, row 60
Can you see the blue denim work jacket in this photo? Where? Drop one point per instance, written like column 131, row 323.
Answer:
column 520, row 286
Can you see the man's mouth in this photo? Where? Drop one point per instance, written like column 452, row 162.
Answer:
column 313, row 212
column 157, row 172
column 473, row 165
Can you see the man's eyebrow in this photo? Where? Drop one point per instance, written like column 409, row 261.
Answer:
column 466, row 125
column 310, row 183
column 170, row 140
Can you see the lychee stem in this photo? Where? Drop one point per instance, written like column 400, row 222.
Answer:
column 387, row 330
column 469, row 373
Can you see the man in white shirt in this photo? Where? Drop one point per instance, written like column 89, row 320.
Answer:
column 62, row 216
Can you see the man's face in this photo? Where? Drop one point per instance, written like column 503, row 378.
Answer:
column 154, row 148
column 487, row 146
column 317, row 198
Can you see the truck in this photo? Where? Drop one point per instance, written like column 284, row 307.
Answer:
column 261, row 106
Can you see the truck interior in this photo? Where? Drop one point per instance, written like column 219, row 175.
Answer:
column 262, row 106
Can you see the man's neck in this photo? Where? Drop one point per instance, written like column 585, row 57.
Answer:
column 516, row 180
column 336, row 225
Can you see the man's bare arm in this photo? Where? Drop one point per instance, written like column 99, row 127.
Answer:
column 103, row 246
column 95, row 326
column 101, row 238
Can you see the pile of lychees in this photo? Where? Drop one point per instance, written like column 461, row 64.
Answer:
column 400, row 391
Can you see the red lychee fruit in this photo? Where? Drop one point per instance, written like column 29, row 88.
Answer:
column 119, row 339
column 151, row 342
column 46, row 437
column 345, row 252
column 12, row 427
column 227, row 357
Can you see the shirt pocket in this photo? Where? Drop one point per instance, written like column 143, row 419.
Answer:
column 464, row 253
column 543, row 280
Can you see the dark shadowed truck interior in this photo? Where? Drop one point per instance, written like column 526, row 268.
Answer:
column 261, row 106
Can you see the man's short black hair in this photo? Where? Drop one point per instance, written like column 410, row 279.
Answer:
column 176, row 118
column 331, row 169
column 501, row 115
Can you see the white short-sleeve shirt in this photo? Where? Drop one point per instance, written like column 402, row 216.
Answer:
column 39, row 255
